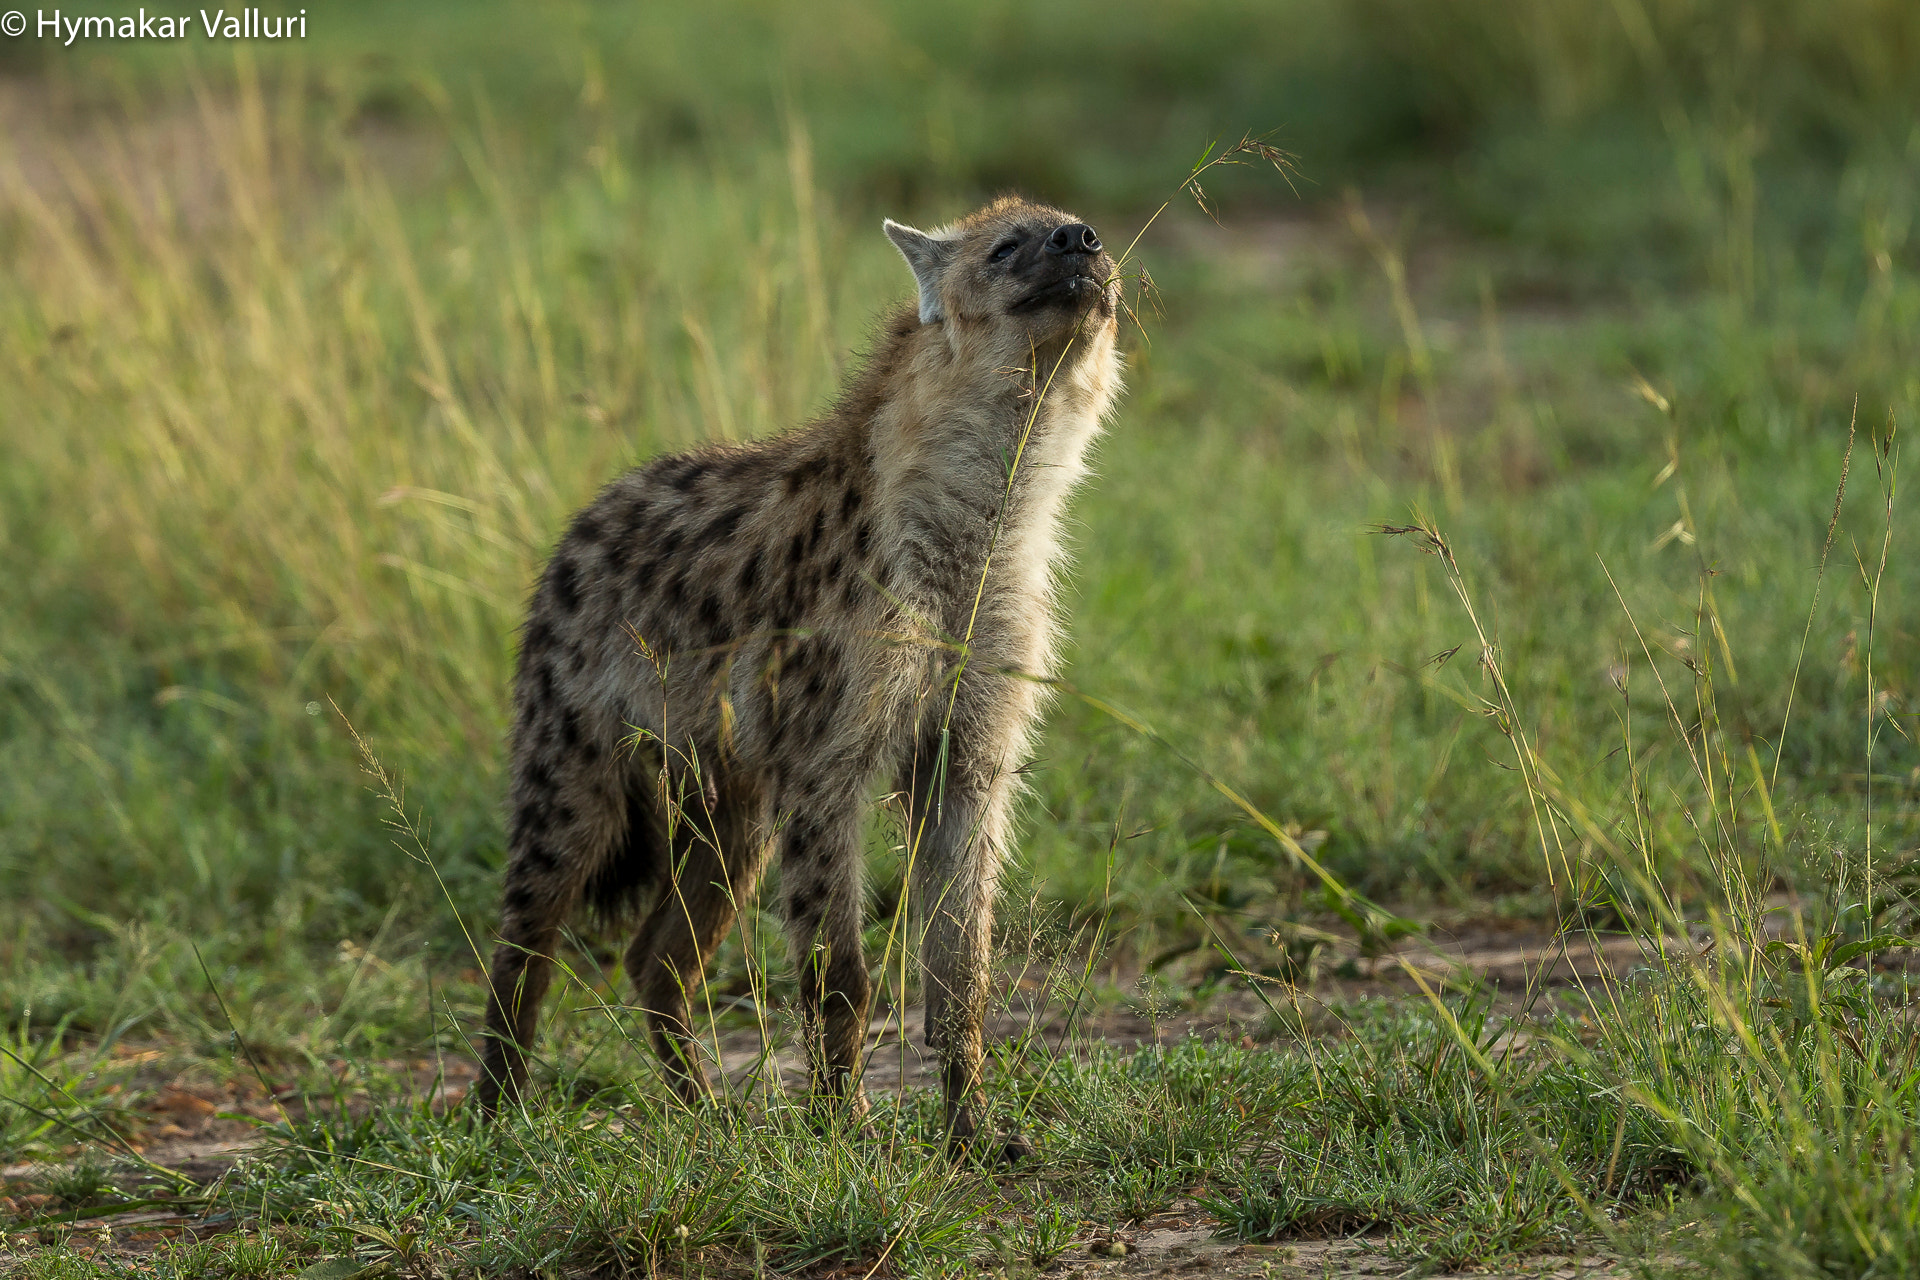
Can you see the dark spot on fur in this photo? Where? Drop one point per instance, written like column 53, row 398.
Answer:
column 569, row 728
column 850, row 594
column 750, row 572
column 536, row 857
column 863, row 539
column 538, row 638
column 520, row 898
column 565, row 579
column 537, row 778
column 796, row 549
column 615, row 557
column 683, row 473
column 803, row 841
column 670, row 541
column 819, row 528
column 710, row 614
column 586, row 528
column 833, row 569
column 810, row 469
column 850, row 504
column 722, row 526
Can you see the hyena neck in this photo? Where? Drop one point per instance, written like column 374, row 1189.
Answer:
column 976, row 453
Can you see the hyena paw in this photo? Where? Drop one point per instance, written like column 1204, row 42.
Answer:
column 1002, row 1149
column 966, row 1139
column 1014, row 1148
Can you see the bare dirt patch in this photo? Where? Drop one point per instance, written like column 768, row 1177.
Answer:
column 1184, row 1243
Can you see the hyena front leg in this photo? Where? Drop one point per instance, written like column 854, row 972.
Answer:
column 822, row 870
column 717, row 858
column 569, row 815
column 959, row 821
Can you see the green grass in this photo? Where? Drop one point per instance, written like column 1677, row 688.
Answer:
column 1599, row 288
column 1451, row 1145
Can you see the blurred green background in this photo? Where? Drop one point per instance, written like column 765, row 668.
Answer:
column 308, row 348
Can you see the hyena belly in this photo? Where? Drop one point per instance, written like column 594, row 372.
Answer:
column 730, row 648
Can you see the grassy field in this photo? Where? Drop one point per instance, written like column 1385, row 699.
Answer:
column 309, row 350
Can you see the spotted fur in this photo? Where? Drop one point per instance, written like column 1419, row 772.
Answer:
column 787, row 623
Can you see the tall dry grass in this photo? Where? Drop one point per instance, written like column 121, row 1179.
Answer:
column 316, row 440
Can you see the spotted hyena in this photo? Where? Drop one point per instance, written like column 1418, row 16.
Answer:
column 862, row 599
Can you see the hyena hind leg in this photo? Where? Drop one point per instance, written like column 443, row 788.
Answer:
column 717, row 860
column 568, row 819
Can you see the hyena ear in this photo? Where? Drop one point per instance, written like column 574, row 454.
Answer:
column 928, row 256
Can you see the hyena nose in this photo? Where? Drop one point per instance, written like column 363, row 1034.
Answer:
column 1074, row 237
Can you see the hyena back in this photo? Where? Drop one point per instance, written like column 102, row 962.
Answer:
column 863, row 598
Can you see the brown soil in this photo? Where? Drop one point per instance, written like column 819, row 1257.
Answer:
column 1184, row 1244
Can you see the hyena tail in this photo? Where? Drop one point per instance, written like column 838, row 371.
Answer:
column 627, row 882
column 613, row 857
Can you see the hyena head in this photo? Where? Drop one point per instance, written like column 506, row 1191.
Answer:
column 1021, row 271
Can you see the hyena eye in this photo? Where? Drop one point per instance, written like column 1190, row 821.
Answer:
column 1003, row 250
